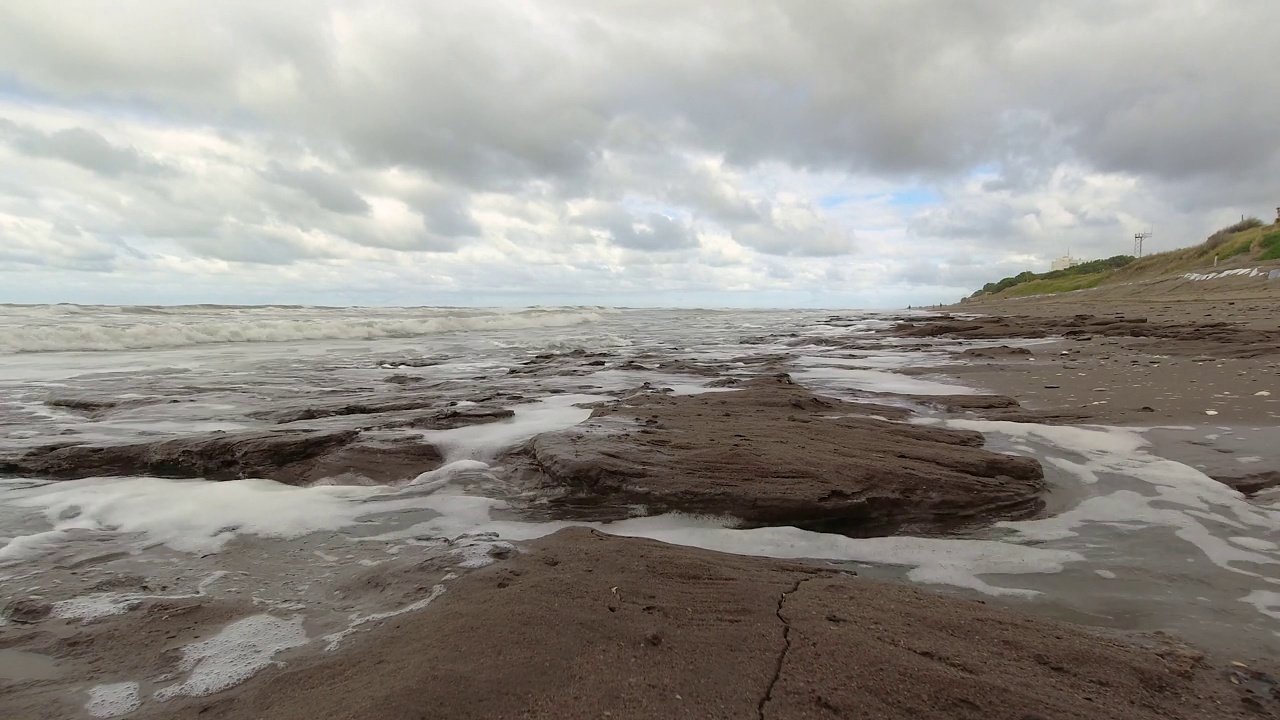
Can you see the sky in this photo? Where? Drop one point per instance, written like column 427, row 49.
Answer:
column 775, row 153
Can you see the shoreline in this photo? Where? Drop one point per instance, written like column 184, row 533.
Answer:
column 577, row 623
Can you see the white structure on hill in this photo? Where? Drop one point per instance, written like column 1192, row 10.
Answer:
column 1064, row 262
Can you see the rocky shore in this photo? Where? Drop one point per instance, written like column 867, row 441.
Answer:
column 772, row 453
column 584, row 624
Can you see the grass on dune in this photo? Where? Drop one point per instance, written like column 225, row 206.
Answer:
column 1249, row 236
column 1058, row 285
column 1223, row 244
column 1270, row 246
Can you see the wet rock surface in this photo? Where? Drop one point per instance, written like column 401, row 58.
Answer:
column 1252, row 483
column 294, row 457
column 1000, row 351
column 371, row 406
column 1210, row 339
column 990, row 407
column 724, row 636
column 456, row 417
column 773, row 453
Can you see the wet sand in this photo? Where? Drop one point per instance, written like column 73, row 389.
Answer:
column 1136, row 363
column 1199, row 363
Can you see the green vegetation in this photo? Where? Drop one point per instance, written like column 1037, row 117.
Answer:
column 1059, row 285
column 1223, row 245
column 1244, row 224
column 1247, row 237
column 1239, row 247
column 1270, row 245
column 1073, row 278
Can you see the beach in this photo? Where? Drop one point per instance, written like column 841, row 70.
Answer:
column 1038, row 509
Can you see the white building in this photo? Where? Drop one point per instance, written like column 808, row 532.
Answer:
column 1064, row 262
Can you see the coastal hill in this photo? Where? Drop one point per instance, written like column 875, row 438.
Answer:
column 1237, row 259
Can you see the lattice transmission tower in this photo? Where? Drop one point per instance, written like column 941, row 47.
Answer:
column 1137, row 243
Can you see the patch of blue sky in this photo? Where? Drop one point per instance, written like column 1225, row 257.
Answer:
column 14, row 92
column 640, row 207
column 99, row 106
column 910, row 197
column 914, row 197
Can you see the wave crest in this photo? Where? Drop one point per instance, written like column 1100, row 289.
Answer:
column 134, row 331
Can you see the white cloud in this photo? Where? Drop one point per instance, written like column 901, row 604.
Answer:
column 525, row 152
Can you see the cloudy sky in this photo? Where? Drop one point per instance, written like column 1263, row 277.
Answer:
column 632, row 152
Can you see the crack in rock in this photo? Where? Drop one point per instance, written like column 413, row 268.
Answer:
column 786, row 644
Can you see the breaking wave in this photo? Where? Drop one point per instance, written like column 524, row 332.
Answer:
column 127, row 329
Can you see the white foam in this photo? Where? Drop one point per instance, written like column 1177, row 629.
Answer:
column 1105, row 574
column 186, row 515
column 113, row 699
column 848, row 378
column 1254, row 543
column 878, row 360
column 104, row 604
column 936, row 561
column 1266, row 601
column 486, row 441
column 1081, row 471
column 334, row 640
column 435, row 479
column 23, row 547
column 478, row 552
column 234, row 655
column 110, row 331
column 1184, row 499
column 931, row 560
column 97, row 605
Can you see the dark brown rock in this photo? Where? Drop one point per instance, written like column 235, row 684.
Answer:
column 454, row 417
column 962, row 403
column 1253, row 483
column 1213, row 339
column 998, row 352
column 361, row 407
column 26, row 611
column 289, row 456
column 775, row 454
column 648, row 631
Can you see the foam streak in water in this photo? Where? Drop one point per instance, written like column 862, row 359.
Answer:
column 234, row 655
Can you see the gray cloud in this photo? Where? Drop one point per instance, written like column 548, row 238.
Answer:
column 327, row 189
column 737, row 133
column 448, row 216
column 81, row 147
column 804, row 236
column 653, row 231
column 903, row 87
